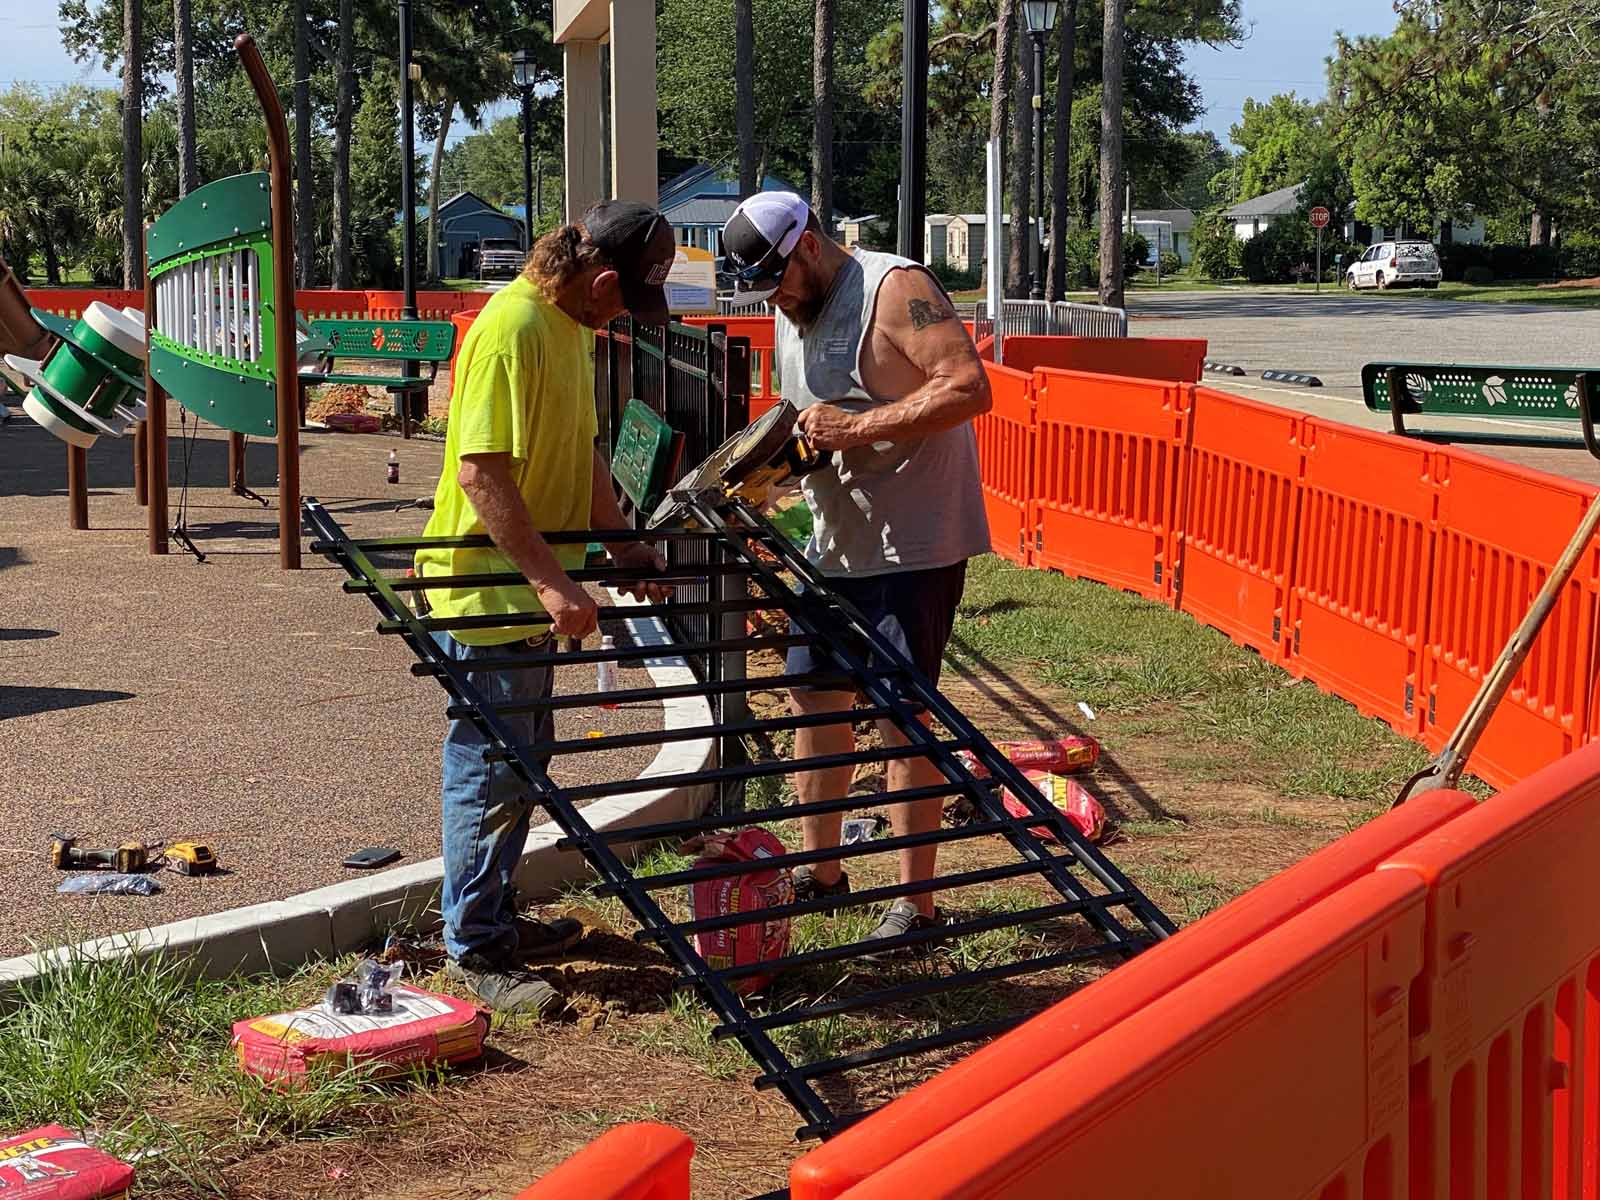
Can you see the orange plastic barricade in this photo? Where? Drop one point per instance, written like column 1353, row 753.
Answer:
column 1006, row 455
column 1500, row 528
column 1363, row 565
column 1506, row 1053
column 1280, row 1074
column 1109, row 469
column 760, row 332
column 859, row 1152
column 70, row 302
column 1239, row 515
column 1177, row 360
column 643, row 1161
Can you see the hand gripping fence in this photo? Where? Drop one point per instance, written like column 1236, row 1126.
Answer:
column 1081, row 913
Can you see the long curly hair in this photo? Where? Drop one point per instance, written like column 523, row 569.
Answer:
column 560, row 256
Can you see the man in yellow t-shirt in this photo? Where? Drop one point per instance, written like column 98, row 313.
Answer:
column 519, row 458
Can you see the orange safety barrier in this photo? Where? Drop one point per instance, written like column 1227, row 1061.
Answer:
column 1179, row 360
column 1239, row 515
column 1007, row 452
column 1278, row 1075
column 833, row 1169
column 761, row 332
column 310, row 302
column 642, row 1161
column 1506, row 1018
column 1109, row 473
column 1363, row 565
column 1500, row 529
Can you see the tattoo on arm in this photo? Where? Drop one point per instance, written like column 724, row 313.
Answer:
column 924, row 313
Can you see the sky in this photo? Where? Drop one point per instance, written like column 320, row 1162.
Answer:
column 1285, row 50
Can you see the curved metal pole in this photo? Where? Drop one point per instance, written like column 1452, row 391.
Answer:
column 285, row 366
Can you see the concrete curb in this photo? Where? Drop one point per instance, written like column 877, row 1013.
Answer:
column 344, row 917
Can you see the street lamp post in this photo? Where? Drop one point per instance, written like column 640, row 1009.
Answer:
column 1040, row 17
column 522, row 72
column 408, row 158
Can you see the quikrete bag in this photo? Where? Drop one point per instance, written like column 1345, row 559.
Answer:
column 1070, row 798
column 53, row 1163
column 747, row 892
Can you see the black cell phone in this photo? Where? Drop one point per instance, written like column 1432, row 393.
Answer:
column 372, row 856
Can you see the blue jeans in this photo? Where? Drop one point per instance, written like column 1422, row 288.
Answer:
column 486, row 807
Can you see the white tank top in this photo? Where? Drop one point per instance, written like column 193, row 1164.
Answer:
column 905, row 506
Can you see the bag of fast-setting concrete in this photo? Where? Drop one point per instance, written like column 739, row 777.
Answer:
column 424, row 1029
column 53, row 1163
column 1059, row 756
column 1070, row 798
column 759, row 888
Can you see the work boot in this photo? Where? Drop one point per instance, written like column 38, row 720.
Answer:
column 902, row 917
column 502, row 987
column 538, row 939
column 808, row 887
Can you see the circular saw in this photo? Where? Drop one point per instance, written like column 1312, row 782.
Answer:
column 767, row 454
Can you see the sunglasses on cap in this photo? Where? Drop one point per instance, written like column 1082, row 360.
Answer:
column 769, row 270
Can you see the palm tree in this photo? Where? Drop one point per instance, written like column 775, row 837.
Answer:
column 183, row 52
column 822, row 103
column 1061, row 151
column 343, row 114
column 132, row 144
column 305, row 200
column 1021, row 175
column 447, row 112
column 744, row 86
column 1111, row 154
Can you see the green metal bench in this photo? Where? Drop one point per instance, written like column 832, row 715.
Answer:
column 1458, row 390
column 427, row 342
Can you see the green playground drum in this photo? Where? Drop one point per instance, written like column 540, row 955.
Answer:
column 76, row 394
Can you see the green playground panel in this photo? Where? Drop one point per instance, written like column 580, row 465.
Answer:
column 237, row 207
column 1451, row 389
column 425, row 341
column 234, row 401
column 644, row 448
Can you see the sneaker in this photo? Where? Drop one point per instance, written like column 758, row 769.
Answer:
column 808, row 887
column 538, row 939
column 505, row 989
column 902, row 917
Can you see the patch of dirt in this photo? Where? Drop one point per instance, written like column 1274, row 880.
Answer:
column 324, row 402
column 1592, row 282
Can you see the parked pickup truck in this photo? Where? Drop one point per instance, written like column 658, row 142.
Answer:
column 499, row 257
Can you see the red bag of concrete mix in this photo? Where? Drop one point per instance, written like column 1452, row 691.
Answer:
column 1059, row 756
column 423, row 1029
column 1070, row 797
column 53, row 1163
column 759, row 888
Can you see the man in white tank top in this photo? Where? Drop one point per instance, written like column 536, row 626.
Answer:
column 869, row 348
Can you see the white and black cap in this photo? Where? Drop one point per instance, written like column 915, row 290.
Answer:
column 758, row 240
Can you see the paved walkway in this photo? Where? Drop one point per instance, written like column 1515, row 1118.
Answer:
column 158, row 698
column 1332, row 335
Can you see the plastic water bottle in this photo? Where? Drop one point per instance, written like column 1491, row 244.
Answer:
column 605, row 673
column 394, row 467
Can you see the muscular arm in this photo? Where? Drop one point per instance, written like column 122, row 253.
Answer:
column 915, row 336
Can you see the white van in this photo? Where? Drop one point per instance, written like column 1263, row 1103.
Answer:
column 1396, row 264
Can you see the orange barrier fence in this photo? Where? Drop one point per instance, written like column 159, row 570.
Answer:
column 1388, row 571
column 761, row 332
column 1180, row 360
column 996, row 1070
column 311, row 302
column 643, row 1161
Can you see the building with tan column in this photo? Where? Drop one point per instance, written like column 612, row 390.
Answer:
column 628, row 29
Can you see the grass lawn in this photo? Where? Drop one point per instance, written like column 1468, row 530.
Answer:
column 1218, row 769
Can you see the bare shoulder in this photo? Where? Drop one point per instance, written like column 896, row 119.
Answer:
column 910, row 300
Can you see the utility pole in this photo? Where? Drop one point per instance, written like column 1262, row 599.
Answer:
column 914, row 131
column 408, row 156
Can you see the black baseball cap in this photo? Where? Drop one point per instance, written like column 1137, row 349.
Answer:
column 637, row 241
column 758, row 240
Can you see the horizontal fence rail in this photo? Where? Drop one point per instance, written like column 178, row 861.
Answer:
column 309, row 302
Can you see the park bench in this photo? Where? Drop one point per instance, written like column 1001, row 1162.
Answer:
column 1457, row 390
column 428, row 343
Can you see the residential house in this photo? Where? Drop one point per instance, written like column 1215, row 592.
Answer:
column 856, row 231
column 698, row 202
column 1172, row 228
column 1250, row 217
column 935, row 238
column 465, row 221
column 966, row 247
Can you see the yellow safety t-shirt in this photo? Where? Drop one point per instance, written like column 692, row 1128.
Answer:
column 523, row 386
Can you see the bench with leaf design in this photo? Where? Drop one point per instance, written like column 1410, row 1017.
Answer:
column 1458, row 390
column 427, row 343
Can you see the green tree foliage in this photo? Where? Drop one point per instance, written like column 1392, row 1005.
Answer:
column 489, row 162
column 1207, row 158
column 1278, row 140
column 1218, row 253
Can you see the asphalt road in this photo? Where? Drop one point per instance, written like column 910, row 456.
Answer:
column 1332, row 335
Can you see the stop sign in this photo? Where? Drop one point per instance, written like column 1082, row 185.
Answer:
column 1320, row 217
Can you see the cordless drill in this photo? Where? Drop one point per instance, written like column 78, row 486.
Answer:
column 67, row 855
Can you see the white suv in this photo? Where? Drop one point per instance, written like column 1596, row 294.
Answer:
column 1395, row 264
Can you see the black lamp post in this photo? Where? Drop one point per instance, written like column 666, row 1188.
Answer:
column 408, row 157
column 1040, row 17
column 522, row 71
